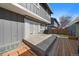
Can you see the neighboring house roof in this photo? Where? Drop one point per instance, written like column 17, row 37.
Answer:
column 52, row 25
column 54, row 19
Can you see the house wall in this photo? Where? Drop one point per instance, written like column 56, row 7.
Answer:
column 37, row 9
column 42, row 28
column 77, row 29
column 72, row 30
column 31, row 27
column 11, row 30
column 15, row 27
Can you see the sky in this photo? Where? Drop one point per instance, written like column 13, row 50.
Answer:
column 62, row 9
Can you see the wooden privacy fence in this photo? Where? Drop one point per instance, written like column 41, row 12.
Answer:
column 59, row 31
column 64, row 32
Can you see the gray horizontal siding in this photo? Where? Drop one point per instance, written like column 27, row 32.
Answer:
column 72, row 29
column 39, row 11
column 11, row 30
column 77, row 29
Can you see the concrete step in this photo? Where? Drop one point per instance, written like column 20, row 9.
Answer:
column 40, row 43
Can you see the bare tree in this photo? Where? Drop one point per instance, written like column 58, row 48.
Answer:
column 64, row 20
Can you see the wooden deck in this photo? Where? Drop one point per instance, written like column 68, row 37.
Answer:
column 64, row 47
column 61, row 47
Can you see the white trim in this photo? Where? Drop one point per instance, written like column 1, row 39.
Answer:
column 23, row 11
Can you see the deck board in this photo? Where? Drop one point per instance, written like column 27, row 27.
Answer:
column 63, row 47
